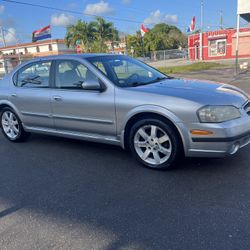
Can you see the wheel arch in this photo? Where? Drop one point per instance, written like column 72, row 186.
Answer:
column 158, row 113
column 7, row 104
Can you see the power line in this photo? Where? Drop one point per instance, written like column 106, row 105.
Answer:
column 84, row 14
column 70, row 11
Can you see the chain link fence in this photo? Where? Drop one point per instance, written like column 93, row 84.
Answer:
column 163, row 55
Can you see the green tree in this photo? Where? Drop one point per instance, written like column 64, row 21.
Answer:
column 135, row 45
column 164, row 37
column 115, row 37
column 104, row 32
column 83, row 32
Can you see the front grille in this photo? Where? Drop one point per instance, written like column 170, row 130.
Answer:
column 247, row 108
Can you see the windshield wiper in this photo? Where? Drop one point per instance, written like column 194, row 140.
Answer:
column 158, row 79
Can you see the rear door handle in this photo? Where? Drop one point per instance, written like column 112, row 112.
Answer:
column 57, row 98
column 13, row 95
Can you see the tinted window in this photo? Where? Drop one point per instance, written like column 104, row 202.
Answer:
column 35, row 75
column 70, row 74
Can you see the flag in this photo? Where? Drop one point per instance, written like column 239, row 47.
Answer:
column 144, row 30
column 41, row 34
column 191, row 27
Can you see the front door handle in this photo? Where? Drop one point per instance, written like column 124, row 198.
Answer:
column 57, row 98
column 13, row 95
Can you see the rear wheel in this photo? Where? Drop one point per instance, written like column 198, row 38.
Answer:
column 11, row 126
column 155, row 144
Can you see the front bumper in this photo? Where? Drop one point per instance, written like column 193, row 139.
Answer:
column 227, row 138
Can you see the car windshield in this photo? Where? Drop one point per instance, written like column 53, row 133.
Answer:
column 124, row 71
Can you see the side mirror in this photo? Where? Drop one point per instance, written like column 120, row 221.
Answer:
column 93, row 84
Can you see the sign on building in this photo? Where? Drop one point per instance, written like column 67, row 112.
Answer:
column 244, row 9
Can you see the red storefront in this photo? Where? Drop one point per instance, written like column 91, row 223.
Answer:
column 219, row 44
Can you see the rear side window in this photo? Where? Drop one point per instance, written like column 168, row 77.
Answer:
column 35, row 75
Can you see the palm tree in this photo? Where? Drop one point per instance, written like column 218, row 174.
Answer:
column 83, row 32
column 104, row 32
column 115, row 37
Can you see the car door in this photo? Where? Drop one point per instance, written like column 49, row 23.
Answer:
column 31, row 94
column 79, row 110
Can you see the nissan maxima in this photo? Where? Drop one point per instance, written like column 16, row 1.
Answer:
column 118, row 100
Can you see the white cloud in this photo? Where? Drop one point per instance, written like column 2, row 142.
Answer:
column 157, row 17
column 101, row 8
column 9, row 36
column 126, row 1
column 2, row 8
column 62, row 20
column 171, row 19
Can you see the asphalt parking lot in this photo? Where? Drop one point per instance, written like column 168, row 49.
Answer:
column 65, row 194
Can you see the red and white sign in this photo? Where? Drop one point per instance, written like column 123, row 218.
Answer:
column 78, row 49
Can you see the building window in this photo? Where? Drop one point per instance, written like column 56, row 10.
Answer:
column 50, row 47
column 25, row 51
column 217, row 47
column 37, row 49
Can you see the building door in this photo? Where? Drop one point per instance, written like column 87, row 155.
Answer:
column 197, row 52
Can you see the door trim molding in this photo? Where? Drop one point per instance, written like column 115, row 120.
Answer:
column 80, row 119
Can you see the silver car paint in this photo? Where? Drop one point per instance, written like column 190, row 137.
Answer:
column 102, row 116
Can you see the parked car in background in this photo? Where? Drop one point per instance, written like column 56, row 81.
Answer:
column 119, row 100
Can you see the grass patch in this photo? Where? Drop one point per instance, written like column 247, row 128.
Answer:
column 191, row 67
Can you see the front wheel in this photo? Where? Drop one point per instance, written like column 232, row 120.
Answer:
column 12, row 126
column 155, row 144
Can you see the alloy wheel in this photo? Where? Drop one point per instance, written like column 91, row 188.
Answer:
column 10, row 125
column 152, row 144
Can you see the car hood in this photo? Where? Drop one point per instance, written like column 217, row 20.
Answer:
column 204, row 92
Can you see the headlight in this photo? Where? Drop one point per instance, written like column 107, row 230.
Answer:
column 217, row 114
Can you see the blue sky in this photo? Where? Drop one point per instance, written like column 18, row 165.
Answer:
column 20, row 21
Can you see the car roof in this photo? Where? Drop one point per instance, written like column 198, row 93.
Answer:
column 64, row 56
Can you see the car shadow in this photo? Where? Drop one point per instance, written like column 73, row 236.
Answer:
column 103, row 186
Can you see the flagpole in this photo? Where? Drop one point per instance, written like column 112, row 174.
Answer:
column 201, row 33
column 51, row 38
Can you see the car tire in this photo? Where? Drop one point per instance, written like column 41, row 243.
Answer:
column 11, row 126
column 155, row 144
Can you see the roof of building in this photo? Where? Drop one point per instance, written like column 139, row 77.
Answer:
column 21, row 45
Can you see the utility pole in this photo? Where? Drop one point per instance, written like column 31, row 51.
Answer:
column 3, row 36
column 221, row 20
column 201, row 32
column 202, row 14
column 237, row 44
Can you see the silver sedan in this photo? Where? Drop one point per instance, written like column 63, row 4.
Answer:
column 118, row 100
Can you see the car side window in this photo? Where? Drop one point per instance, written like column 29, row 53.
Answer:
column 101, row 67
column 124, row 69
column 35, row 75
column 70, row 74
